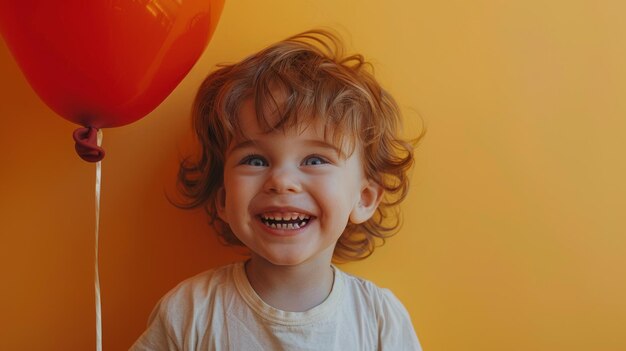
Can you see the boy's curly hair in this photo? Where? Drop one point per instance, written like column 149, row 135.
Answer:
column 316, row 80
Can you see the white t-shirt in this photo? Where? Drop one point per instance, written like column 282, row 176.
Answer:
column 219, row 310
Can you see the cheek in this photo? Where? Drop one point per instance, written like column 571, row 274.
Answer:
column 336, row 194
column 231, row 188
column 239, row 190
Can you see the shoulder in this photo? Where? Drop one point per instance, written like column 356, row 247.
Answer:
column 186, row 308
column 197, row 288
column 370, row 293
column 393, row 322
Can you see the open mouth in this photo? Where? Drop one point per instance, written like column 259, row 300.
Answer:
column 285, row 220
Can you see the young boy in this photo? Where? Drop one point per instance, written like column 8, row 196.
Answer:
column 301, row 163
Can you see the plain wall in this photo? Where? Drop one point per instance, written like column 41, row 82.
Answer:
column 513, row 235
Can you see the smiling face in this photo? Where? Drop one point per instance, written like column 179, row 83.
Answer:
column 288, row 195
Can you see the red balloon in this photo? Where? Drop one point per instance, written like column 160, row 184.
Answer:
column 106, row 63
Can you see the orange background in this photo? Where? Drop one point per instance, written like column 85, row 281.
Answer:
column 513, row 236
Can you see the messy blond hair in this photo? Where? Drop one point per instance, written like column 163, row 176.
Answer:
column 315, row 80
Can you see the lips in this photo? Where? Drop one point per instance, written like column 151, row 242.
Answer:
column 285, row 220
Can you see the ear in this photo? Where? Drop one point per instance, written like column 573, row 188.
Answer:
column 220, row 204
column 370, row 197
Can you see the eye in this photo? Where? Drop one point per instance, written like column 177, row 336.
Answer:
column 314, row 161
column 254, row 160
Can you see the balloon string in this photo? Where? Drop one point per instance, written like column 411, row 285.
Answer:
column 97, row 276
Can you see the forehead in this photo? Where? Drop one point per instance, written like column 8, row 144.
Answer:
column 255, row 130
column 252, row 125
column 248, row 121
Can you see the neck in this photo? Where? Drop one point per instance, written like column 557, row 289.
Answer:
column 294, row 288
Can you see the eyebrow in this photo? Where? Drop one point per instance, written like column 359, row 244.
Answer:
column 244, row 144
column 318, row 143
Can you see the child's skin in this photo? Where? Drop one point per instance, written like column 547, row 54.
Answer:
column 298, row 145
column 292, row 173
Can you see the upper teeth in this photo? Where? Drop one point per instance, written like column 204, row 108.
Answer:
column 288, row 221
column 284, row 216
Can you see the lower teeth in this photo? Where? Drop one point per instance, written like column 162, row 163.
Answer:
column 285, row 225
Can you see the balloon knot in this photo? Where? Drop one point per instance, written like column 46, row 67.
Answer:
column 87, row 144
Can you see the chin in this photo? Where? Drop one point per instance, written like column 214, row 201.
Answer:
column 283, row 259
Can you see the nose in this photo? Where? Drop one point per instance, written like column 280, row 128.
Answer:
column 283, row 180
